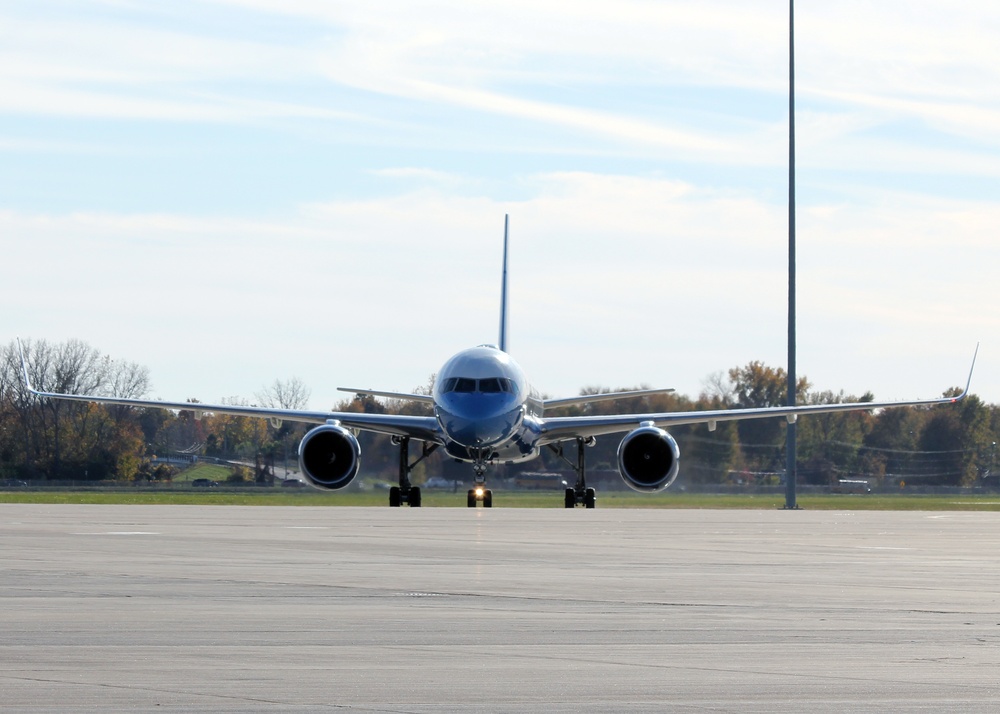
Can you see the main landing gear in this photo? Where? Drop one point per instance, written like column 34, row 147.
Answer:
column 405, row 492
column 578, row 494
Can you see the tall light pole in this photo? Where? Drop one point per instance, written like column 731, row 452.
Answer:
column 790, row 445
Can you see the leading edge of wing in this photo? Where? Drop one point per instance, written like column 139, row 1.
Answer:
column 601, row 397
column 559, row 428
column 402, row 396
column 416, row 427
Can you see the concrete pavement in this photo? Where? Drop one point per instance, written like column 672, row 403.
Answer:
column 226, row 609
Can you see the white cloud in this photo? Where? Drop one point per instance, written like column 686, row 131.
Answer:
column 550, row 64
column 576, row 118
column 660, row 282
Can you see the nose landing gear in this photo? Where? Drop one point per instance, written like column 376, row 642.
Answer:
column 479, row 493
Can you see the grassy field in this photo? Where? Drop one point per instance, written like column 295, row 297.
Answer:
column 209, row 471
column 508, row 499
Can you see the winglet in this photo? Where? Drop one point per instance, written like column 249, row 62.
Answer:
column 24, row 367
column 502, row 342
column 968, row 383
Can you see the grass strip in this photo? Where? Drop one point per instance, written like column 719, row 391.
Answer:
column 508, row 499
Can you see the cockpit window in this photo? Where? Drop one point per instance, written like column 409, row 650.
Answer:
column 491, row 385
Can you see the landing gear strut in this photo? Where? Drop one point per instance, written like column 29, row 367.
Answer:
column 405, row 492
column 578, row 494
column 479, row 493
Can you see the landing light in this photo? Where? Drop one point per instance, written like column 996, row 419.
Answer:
column 480, row 491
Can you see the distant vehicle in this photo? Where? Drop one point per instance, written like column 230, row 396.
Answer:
column 13, row 483
column 204, row 483
column 852, row 485
column 439, row 482
column 292, row 483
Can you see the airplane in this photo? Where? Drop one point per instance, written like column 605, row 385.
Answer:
column 485, row 413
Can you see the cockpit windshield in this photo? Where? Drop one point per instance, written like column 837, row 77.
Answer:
column 491, row 385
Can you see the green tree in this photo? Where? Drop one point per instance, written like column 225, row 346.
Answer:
column 829, row 444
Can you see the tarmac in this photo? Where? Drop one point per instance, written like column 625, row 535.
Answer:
column 268, row 609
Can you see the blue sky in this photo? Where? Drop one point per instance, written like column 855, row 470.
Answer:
column 232, row 192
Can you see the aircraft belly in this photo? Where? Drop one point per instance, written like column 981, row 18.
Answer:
column 511, row 452
column 519, row 447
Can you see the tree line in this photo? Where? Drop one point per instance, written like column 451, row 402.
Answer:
column 946, row 445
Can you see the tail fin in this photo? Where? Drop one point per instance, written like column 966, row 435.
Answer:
column 502, row 342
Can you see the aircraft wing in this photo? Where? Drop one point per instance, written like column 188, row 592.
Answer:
column 403, row 396
column 562, row 428
column 415, row 427
column 602, row 397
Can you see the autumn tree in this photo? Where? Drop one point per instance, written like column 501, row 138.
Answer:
column 292, row 394
column 231, row 435
column 757, row 385
column 61, row 439
column 710, row 456
column 289, row 393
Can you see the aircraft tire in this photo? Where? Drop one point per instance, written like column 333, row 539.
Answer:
column 590, row 498
column 488, row 499
column 570, row 498
column 394, row 497
column 414, row 497
column 472, row 498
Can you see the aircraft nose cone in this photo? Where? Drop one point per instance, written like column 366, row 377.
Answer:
column 478, row 429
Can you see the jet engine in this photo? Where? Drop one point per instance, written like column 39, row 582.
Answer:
column 329, row 457
column 648, row 459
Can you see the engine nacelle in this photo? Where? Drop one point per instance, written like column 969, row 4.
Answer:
column 648, row 459
column 329, row 457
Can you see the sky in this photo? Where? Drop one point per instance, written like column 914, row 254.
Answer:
column 231, row 192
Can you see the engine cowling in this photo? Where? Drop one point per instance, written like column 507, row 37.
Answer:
column 329, row 457
column 648, row 459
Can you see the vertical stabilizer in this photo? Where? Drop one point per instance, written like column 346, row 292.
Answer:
column 502, row 342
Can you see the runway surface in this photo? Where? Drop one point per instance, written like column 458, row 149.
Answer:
column 232, row 609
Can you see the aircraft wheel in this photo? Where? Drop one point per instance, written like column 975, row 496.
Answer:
column 488, row 499
column 570, row 498
column 414, row 497
column 472, row 498
column 590, row 498
column 394, row 497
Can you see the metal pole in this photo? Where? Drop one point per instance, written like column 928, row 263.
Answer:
column 790, row 445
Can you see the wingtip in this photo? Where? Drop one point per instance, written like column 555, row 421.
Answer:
column 24, row 366
column 972, row 369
